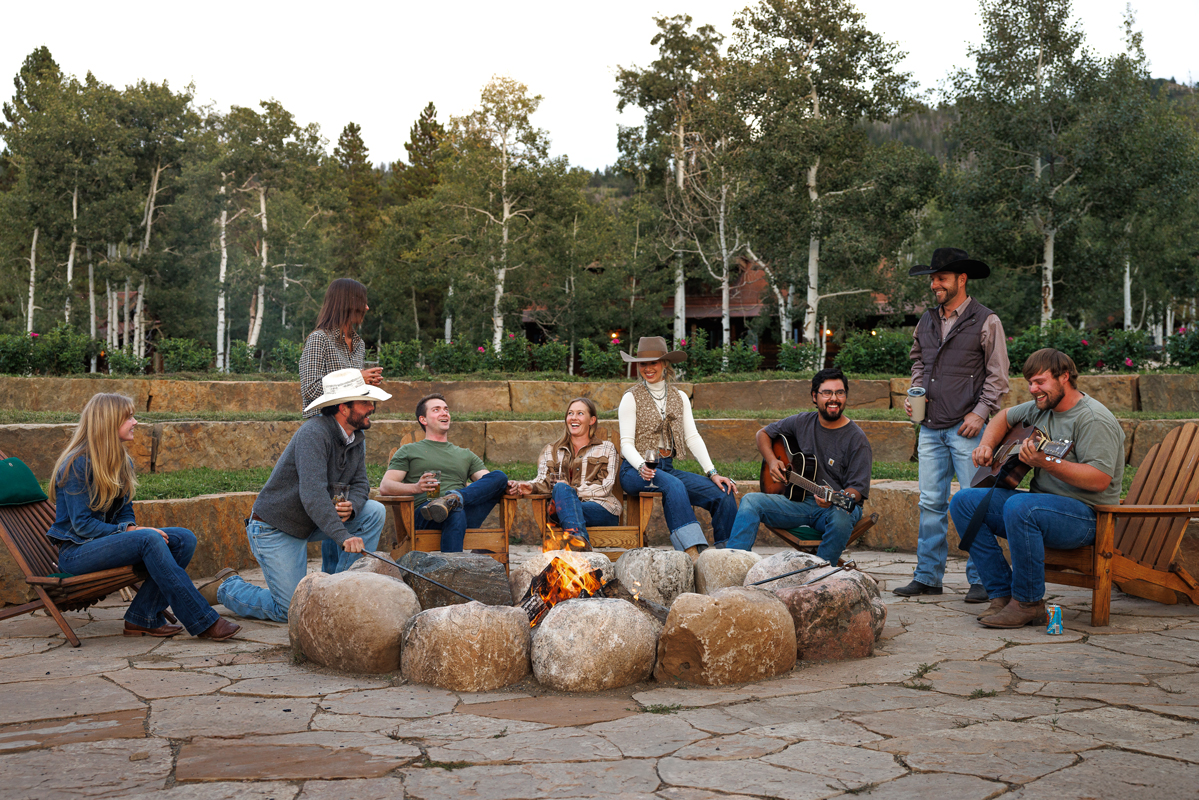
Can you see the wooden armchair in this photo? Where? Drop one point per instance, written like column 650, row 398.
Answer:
column 627, row 534
column 808, row 539
column 409, row 537
column 1136, row 543
column 23, row 530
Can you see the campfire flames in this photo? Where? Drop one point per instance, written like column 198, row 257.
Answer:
column 559, row 581
column 563, row 540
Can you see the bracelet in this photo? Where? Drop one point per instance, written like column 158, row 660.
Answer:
column 711, row 472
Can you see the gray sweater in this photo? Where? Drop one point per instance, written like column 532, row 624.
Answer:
column 297, row 498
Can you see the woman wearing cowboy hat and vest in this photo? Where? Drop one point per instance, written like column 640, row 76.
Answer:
column 656, row 416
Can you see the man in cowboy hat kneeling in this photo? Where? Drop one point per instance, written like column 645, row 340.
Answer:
column 296, row 506
column 959, row 357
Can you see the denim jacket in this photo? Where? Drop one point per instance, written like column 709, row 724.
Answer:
column 75, row 522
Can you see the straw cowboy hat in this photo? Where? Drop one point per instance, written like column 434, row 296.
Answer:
column 346, row 386
column 951, row 259
column 653, row 348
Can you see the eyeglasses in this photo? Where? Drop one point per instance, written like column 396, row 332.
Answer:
column 827, row 395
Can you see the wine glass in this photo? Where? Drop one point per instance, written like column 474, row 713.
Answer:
column 651, row 461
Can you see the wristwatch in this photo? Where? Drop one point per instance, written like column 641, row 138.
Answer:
column 711, row 472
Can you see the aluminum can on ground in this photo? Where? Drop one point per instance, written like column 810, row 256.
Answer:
column 1053, row 615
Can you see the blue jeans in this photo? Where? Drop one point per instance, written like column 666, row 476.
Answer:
column 942, row 453
column 834, row 524
column 575, row 514
column 1030, row 522
column 284, row 562
column 680, row 491
column 478, row 499
column 168, row 583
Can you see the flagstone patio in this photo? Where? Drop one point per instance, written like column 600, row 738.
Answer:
column 945, row 708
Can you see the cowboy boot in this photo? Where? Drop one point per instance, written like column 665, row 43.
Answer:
column 997, row 604
column 1017, row 614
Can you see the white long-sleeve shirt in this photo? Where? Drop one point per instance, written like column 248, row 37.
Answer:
column 627, row 415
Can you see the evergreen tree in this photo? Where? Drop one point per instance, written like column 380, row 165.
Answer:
column 357, row 180
column 417, row 178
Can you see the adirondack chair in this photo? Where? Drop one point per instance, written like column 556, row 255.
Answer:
column 627, row 534
column 23, row 530
column 807, row 539
column 1137, row 542
column 409, row 537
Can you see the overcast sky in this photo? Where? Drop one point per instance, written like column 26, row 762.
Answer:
column 379, row 63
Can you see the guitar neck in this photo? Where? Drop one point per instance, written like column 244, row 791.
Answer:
column 823, row 492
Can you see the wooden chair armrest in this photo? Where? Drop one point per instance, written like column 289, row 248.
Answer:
column 394, row 499
column 538, row 496
column 1149, row 511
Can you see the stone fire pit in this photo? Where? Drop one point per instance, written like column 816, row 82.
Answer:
column 661, row 616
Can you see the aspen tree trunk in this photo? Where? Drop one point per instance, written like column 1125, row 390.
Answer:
column 449, row 318
column 497, row 316
column 151, row 198
column 32, row 281
column 256, row 322
column 823, row 344
column 125, row 339
column 139, row 326
column 1127, row 279
column 108, row 315
column 223, row 223
column 1047, row 277
column 415, row 317
column 71, row 253
column 680, row 279
column 91, row 296
column 283, row 295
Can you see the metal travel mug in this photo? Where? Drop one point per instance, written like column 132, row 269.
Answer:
column 917, row 400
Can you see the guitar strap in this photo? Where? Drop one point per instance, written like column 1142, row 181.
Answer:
column 980, row 513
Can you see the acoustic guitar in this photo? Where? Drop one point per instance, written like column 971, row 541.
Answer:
column 800, row 471
column 1007, row 453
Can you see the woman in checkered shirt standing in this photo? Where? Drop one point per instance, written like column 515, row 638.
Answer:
column 335, row 344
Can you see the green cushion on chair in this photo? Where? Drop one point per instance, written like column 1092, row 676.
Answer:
column 17, row 484
column 804, row 532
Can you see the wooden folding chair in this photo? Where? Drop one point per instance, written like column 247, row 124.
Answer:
column 627, row 534
column 23, row 530
column 807, row 539
column 409, row 537
column 1136, row 542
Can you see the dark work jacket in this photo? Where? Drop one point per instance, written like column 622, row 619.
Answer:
column 954, row 370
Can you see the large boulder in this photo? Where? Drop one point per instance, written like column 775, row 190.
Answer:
column 780, row 564
column 733, row 636
column 656, row 575
column 594, row 644
column 523, row 574
column 720, row 568
column 836, row 618
column 470, row 647
column 351, row 621
column 374, row 565
column 478, row 576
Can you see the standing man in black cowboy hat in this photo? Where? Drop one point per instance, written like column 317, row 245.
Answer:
column 959, row 357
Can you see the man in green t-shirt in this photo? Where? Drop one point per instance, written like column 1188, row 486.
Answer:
column 469, row 491
column 1059, row 510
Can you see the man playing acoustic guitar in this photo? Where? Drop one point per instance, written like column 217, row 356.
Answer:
column 1058, row 512
column 842, row 459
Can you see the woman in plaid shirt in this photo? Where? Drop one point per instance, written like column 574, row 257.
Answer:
column 335, row 344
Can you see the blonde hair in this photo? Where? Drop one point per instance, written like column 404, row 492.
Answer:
column 97, row 438
column 569, row 461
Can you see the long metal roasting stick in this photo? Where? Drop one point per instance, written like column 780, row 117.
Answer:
column 417, row 574
column 846, row 567
column 789, row 574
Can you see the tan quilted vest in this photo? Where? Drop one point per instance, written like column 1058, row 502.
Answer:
column 652, row 427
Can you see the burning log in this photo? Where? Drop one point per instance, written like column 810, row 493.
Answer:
column 568, row 539
column 615, row 589
column 557, row 582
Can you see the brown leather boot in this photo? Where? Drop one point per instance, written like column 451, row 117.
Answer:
column 220, row 630
column 694, row 550
column 1017, row 614
column 208, row 589
column 997, row 605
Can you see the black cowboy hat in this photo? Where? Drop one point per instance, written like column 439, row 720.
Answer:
column 951, row 259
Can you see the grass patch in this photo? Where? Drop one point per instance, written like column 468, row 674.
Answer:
column 448, row 766
column 923, row 670
column 661, row 708
column 980, row 693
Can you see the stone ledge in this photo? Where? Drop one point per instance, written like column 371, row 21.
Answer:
column 1117, row 392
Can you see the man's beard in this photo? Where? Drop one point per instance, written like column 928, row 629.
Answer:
column 1051, row 399
column 830, row 416
column 359, row 422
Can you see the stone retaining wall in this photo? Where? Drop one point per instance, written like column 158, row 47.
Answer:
column 1118, row 392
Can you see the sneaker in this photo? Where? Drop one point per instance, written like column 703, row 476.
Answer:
column 977, row 594
column 437, row 510
column 914, row 588
column 209, row 589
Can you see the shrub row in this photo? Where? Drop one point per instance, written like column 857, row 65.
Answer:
column 65, row 351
